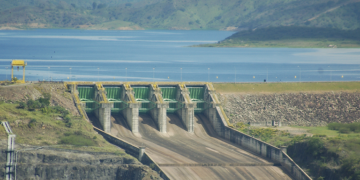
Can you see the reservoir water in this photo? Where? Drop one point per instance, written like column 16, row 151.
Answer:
column 164, row 55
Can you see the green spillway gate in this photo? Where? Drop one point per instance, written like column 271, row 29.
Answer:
column 197, row 95
column 169, row 95
column 87, row 94
column 141, row 94
column 113, row 94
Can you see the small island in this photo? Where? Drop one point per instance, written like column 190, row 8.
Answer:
column 292, row 37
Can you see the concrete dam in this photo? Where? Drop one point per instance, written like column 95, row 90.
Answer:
column 179, row 130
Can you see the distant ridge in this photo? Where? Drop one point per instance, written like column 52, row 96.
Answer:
column 178, row 14
column 292, row 36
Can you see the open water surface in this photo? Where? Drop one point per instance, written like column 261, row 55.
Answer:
column 163, row 55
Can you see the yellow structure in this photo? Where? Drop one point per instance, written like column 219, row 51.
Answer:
column 17, row 62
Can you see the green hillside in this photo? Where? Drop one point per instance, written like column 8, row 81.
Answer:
column 179, row 14
column 292, row 36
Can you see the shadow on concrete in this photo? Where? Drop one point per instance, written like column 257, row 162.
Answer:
column 175, row 119
column 146, row 119
column 202, row 120
column 120, row 120
column 94, row 120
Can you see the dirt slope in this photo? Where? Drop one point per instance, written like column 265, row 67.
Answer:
column 59, row 97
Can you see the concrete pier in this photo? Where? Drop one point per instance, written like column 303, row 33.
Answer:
column 159, row 112
column 213, row 103
column 131, row 113
column 103, row 112
column 187, row 112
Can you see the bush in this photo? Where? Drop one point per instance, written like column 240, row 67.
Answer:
column 67, row 119
column 315, row 146
column 79, row 133
column 69, row 124
column 45, row 101
column 77, row 140
column 61, row 110
column 350, row 168
column 345, row 128
column 263, row 133
column 22, row 105
column 32, row 105
column 32, row 123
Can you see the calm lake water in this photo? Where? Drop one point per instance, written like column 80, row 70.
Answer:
column 162, row 55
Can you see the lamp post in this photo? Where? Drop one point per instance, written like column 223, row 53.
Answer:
column 70, row 74
column 181, row 74
column 125, row 74
column 49, row 72
column 208, row 74
column 267, row 74
column 98, row 73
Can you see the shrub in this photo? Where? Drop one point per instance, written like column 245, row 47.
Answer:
column 69, row 124
column 263, row 133
column 334, row 126
column 315, row 146
column 22, row 105
column 76, row 140
column 32, row 123
column 344, row 130
column 45, row 100
column 67, row 119
column 78, row 133
column 32, row 105
column 67, row 133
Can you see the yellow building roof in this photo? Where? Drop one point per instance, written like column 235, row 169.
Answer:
column 18, row 63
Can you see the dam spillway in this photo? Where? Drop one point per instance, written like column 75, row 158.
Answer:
column 183, row 128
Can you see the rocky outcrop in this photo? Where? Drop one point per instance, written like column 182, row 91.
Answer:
column 305, row 109
column 50, row 164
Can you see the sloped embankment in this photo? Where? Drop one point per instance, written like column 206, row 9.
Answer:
column 49, row 163
column 304, row 109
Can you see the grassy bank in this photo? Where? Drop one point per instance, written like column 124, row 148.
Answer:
column 332, row 152
column 41, row 125
column 286, row 87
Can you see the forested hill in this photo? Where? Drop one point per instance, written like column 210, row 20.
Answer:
column 179, row 14
column 292, row 36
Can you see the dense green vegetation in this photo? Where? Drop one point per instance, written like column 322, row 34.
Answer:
column 179, row 14
column 331, row 153
column 292, row 36
column 345, row 128
column 286, row 87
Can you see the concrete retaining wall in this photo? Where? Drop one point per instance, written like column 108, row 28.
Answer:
column 134, row 151
column 217, row 118
column 255, row 145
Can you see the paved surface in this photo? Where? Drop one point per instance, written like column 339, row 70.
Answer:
column 184, row 155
